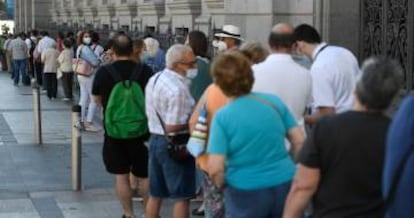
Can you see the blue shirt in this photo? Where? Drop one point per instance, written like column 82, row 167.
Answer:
column 400, row 140
column 156, row 63
column 250, row 134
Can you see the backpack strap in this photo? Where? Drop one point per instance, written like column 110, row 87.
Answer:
column 135, row 74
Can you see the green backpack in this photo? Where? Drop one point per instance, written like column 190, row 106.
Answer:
column 125, row 116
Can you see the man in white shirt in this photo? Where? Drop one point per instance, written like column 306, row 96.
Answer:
column 280, row 75
column 169, row 105
column 334, row 73
column 45, row 42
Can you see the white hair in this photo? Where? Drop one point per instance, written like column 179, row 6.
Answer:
column 152, row 46
column 176, row 54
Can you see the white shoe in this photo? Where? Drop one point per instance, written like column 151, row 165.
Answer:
column 91, row 128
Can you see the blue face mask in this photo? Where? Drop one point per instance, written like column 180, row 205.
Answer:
column 302, row 60
column 143, row 56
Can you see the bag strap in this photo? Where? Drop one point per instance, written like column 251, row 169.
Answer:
column 257, row 98
column 397, row 177
column 156, row 112
column 135, row 74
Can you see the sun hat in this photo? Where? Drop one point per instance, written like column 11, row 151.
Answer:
column 229, row 31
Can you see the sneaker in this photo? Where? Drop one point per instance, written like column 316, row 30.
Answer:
column 66, row 99
column 80, row 126
column 43, row 91
column 91, row 128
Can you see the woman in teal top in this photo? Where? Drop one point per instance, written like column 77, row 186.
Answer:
column 200, row 80
column 246, row 143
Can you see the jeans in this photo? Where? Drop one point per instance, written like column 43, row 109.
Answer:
column 19, row 67
column 86, row 99
column 51, row 84
column 168, row 178
column 268, row 202
column 67, row 83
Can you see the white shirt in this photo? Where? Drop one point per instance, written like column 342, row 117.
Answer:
column 44, row 43
column 98, row 49
column 6, row 45
column 334, row 74
column 28, row 42
column 280, row 75
column 170, row 97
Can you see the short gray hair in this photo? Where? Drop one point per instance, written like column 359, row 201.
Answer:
column 380, row 81
column 176, row 54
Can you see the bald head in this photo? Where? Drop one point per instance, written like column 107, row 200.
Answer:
column 283, row 28
column 122, row 45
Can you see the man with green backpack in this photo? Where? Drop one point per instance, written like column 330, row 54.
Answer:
column 119, row 89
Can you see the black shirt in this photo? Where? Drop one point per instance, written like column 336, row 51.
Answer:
column 349, row 151
column 104, row 82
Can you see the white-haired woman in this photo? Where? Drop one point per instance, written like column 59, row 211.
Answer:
column 153, row 56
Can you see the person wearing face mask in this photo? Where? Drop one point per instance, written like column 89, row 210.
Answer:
column 230, row 38
column 301, row 59
column 86, row 53
column 169, row 105
column 200, row 76
column 334, row 73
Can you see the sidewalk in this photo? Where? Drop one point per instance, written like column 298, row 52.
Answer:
column 35, row 181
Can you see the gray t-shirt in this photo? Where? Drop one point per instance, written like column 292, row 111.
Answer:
column 18, row 48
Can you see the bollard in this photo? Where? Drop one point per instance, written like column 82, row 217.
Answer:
column 76, row 149
column 37, row 111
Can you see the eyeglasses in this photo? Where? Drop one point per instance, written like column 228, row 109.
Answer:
column 191, row 63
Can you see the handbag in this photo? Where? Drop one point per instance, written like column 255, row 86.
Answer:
column 177, row 144
column 81, row 67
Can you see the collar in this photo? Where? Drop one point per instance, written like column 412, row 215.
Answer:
column 318, row 49
column 279, row 57
column 178, row 76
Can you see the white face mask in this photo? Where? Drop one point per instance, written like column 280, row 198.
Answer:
column 192, row 73
column 87, row 40
column 219, row 45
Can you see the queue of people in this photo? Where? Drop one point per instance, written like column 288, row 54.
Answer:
column 292, row 131
column 238, row 119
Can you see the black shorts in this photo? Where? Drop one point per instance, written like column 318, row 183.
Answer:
column 125, row 156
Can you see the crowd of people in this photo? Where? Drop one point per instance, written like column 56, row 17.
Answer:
column 295, row 128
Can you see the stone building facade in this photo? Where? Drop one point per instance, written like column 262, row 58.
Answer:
column 366, row 27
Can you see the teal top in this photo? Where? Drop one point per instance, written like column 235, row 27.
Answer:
column 202, row 80
column 250, row 134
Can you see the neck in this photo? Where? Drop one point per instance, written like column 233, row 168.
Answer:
column 122, row 58
column 281, row 51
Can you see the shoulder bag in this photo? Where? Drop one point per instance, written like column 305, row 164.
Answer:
column 80, row 66
column 177, row 142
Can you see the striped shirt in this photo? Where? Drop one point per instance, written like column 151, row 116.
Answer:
column 170, row 97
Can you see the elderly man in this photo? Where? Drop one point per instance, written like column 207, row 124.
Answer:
column 280, row 75
column 169, row 105
column 334, row 72
column 341, row 164
column 230, row 38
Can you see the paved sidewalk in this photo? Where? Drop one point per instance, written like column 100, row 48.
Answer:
column 35, row 180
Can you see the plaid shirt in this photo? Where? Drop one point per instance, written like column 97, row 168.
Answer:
column 170, row 97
